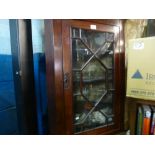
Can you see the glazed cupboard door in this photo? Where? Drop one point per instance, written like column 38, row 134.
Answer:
column 91, row 71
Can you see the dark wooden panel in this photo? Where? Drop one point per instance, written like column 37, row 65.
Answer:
column 102, row 131
column 113, row 22
column 86, row 25
column 54, row 73
column 27, row 74
column 122, row 72
column 67, row 68
column 132, row 115
column 58, row 67
column 14, row 40
column 21, row 46
column 49, row 54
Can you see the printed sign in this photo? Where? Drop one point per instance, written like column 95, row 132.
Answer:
column 141, row 68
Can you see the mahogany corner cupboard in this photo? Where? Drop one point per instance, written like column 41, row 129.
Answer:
column 85, row 76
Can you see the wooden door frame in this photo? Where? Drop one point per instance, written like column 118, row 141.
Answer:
column 54, row 76
column 23, row 75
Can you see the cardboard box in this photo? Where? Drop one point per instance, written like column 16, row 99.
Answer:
column 141, row 68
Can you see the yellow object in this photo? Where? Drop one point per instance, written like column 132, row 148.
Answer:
column 141, row 68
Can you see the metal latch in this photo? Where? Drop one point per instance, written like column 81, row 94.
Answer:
column 66, row 80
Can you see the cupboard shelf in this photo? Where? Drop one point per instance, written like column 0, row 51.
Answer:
column 93, row 80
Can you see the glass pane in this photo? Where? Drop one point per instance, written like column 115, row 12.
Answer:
column 102, row 115
column 93, row 80
column 105, row 53
column 92, row 39
column 80, row 54
column 93, row 84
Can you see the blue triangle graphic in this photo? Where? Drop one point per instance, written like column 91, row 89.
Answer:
column 137, row 75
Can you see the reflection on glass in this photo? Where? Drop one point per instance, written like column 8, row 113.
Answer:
column 93, row 85
column 80, row 54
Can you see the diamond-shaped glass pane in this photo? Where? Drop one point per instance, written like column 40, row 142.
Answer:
column 106, row 55
column 106, row 106
column 80, row 54
column 107, row 61
column 93, row 91
column 93, row 80
column 94, row 70
column 103, row 112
